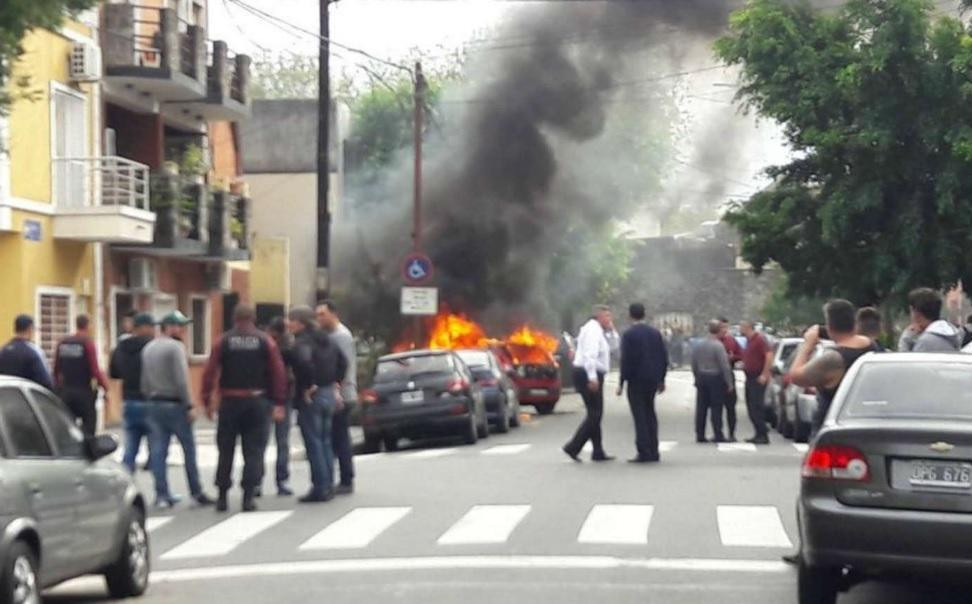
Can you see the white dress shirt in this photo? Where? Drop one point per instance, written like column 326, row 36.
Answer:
column 593, row 353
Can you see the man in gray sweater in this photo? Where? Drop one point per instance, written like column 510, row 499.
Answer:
column 328, row 319
column 713, row 382
column 165, row 384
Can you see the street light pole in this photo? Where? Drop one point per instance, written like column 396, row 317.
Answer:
column 323, row 159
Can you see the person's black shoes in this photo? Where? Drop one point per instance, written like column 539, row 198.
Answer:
column 258, row 492
column 758, row 440
column 703, row 440
column 249, row 505
column 204, row 500
column 572, row 455
column 284, row 491
column 602, row 457
column 720, row 439
column 732, row 438
column 344, row 489
column 316, row 497
column 640, row 459
column 792, row 558
column 221, row 504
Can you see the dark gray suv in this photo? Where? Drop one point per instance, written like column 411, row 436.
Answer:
column 65, row 509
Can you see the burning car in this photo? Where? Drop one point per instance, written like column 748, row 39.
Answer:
column 530, row 355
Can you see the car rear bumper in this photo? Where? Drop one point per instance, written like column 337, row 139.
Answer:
column 876, row 540
column 538, row 394
column 419, row 420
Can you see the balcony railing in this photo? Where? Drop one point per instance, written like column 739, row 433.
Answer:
column 151, row 37
column 228, row 74
column 100, row 181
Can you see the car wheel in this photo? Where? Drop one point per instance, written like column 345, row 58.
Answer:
column 545, row 408
column 503, row 425
column 128, row 576
column 482, row 430
column 515, row 418
column 18, row 584
column 818, row 584
column 470, row 434
column 372, row 443
column 391, row 443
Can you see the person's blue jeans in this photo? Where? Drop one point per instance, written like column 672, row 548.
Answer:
column 281, row 436
column 314, row 419
column 168, row 420
column 136, row 422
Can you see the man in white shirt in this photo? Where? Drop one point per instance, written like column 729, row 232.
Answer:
column 592, row 360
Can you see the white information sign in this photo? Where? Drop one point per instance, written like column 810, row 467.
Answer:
column 420, row 301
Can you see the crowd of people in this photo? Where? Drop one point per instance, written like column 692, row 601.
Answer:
column 304, row 365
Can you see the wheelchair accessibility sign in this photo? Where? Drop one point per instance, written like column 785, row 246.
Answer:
column 417, row 269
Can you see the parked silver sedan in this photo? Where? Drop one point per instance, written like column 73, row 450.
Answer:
column 66, row 510
column 887, row 483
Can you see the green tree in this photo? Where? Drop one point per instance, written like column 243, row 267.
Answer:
column 874, row 99
column 284, row 76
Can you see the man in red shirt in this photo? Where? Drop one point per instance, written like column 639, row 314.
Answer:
column 75, row 370
column 757, row 361
column 734, row 350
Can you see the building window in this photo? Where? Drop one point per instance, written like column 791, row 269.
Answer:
column 53, row 320
column 201, row 326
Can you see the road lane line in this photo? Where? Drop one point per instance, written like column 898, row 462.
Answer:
column 485, row 524
column 429, row 453
column 801, row 447
column 224, row 537
column 667, row 445
column 506, row 449
column 356, row 529
column 751, row 526
column 617, row 524
column 737, row 448
column 156, row 522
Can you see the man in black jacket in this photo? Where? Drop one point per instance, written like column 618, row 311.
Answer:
column 126, row 365
column 319, row 368
column 644, row 364
column 20, row 358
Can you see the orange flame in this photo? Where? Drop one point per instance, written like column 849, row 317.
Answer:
column 532, row 346
column 453, row 332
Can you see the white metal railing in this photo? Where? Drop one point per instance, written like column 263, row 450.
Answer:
column 100, row 181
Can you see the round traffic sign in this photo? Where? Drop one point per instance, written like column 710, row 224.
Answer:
column 417, row 269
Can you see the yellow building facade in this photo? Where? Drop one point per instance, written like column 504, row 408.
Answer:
column 52, row 125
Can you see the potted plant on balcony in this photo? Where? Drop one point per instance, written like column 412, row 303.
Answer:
column 193, row 164
column 237, row 232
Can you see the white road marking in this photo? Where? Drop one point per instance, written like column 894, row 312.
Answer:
column 506, row 449
column 429, row 453
column 588, row 448
column 666, row 445
column 356, row 529
column 801, row 447
column 157, row 522
column 226, row 536
column 751, row 526
column 485, row 524
column 737, row 448
column 617, row 524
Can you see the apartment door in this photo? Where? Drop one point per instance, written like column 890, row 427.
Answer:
column 68, row 152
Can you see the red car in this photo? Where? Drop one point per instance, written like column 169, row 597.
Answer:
column 536, row 376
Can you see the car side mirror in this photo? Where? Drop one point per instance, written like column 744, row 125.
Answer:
column 101, row 446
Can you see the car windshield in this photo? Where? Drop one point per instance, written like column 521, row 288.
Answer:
column 475, row 358
column 390, row 370
column 917, row 390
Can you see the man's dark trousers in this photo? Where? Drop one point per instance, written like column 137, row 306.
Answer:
column 711, row 396
column 341, row 443
column 641, row 398
column 756, row 405
column 246, row 419
column 281, row 436
column 81, row 402
column 731, row 419
column 590, row 428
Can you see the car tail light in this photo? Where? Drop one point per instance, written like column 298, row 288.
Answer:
column 457, row 386
column 369, row 397
column 836, row 461
column 489, row 382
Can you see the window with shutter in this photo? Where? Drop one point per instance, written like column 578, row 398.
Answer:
column 53, row 321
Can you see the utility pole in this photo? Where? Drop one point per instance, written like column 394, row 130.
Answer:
column 417, row 175
column 323, row 149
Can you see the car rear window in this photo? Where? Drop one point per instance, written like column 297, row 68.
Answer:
column 474, row 358
column 391, row 370
column 911, row 390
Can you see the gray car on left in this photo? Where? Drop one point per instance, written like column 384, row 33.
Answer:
column 66, row 509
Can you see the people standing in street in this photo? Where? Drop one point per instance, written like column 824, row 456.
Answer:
column 713, row 382
column 734, row 350
column 165, row 385
column 592, row 361
column 128, row 325
column 77, row 375
column 330, row 322
column 21, row 358
column 868, row 322
column 644, row 364
column 757, row 360
column 928, row 332
column 281, row 430
column 126, row 365
column 319, row 368
column 247, row 367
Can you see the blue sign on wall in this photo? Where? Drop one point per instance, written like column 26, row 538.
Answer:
column 32, row 230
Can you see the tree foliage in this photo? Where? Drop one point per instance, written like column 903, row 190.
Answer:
column 284, row 76
column 875, row 101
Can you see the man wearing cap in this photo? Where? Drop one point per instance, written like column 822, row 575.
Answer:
column 248, row 367
column 75, row 369
column 126, row 365
column 165, row 384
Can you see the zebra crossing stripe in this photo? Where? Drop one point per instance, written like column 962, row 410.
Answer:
column 429, row 453
column 737, row 448
column 667, row 445
column 617, row 525
column 751, row 526
column 485, row 524
column 156, row 522
column 224, row 537
column 356, row 529
column 506, row 449
column 801, row 447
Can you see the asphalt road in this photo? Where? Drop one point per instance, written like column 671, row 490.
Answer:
column 512, row 519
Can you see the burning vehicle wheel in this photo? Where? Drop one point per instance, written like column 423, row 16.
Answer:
column 545, row 408
column 391, row 443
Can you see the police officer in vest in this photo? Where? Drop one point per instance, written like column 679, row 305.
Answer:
column 75, row 370
column 250, row 372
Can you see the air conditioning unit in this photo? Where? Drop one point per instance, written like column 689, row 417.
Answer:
column 85, row 62
column 142, row 274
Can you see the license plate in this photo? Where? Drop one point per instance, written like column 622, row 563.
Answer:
column 940, row 475
column 538, row 391
column 410, row 398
